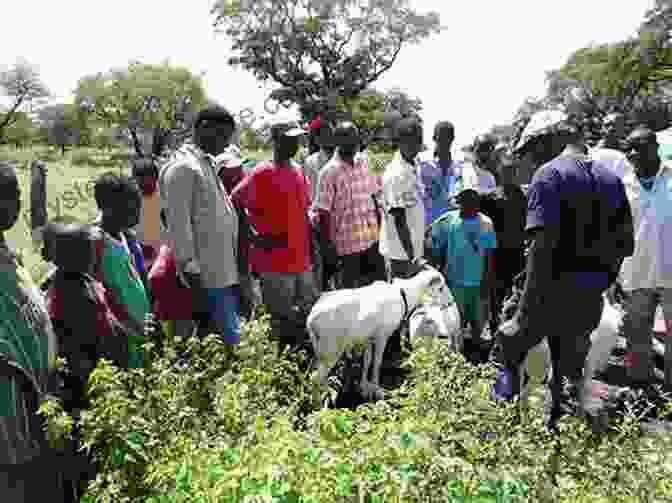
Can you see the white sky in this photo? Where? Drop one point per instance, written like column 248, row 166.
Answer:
column 491, row 56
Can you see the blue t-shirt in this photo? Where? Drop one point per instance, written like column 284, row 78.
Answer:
column 436, row 188
column 584, row 203
column 463, row 243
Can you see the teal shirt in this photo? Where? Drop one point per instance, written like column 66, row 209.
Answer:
column 463, row 243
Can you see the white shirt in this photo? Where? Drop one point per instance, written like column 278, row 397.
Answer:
column 487, row 184
column 401, row 190
column 612, row 159
column 651, row 264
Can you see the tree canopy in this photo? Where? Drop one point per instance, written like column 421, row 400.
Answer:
column 158, row 99
column 318, row 51
column 23, row 87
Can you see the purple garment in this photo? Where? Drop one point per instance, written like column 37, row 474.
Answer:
column 435, row 189
column 585, row 204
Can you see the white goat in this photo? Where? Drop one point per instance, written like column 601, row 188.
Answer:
column 440, row 318
column 604, row 340
column 345, row 319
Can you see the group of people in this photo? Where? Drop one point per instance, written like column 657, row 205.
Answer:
column 186, row 241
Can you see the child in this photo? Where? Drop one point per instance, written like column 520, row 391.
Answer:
column 463, row 242
column 119, row 257
column 85, row 326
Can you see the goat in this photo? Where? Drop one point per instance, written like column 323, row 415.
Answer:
column 343, row 320
column 438, row 318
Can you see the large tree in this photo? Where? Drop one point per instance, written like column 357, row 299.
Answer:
column 319, row 50
column 23, row 88
column 158, row 101
column 21, row 131
column 63, row 124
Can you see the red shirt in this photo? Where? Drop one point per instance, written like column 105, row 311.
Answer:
column 277, row 200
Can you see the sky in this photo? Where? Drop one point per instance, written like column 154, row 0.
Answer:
column 490, row 57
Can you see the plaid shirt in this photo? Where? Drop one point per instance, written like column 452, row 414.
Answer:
column 346, row 193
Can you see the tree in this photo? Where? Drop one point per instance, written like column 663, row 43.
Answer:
column 62, row 123
column 22, row 85
column 159, row 100
column 319, row 50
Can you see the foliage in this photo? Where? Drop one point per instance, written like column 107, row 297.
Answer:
column 318, row 51
column 232, row 429
column 64, row 125
column 144, row 98
column 22, row 85
column 21, row 131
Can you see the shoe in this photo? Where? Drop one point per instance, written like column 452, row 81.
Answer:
column 505, row 388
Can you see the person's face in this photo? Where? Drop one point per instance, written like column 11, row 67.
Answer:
column 642, row 152
column 444, row 140
column 10, row 204
column 348, row 142
column 287, row 146
column 410, row 145
column 213, row 137
column 469, row 201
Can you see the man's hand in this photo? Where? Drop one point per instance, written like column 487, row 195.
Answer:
column 511, row 327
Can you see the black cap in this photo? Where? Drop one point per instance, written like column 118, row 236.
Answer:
column 215, row 113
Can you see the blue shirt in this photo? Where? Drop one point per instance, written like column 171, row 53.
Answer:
column 584, row 204
column 463, row 243
column 435, row 188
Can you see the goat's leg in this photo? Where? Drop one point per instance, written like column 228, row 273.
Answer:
column 366, row 367
column 381, row 342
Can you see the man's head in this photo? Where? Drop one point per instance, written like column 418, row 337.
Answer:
column 323, row 132
column 10, row 197
column 507, row 170
column 484, row 146
column 347, row 140
column 642, row 151
column 444, row 136
column 213, row 129
column 286, row 137
column 118, row 198
column 146, row 174
column 409, row 137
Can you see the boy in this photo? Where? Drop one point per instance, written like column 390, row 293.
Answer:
column 463, row 242
column 119, row 257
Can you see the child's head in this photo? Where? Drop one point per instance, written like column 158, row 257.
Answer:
column 119, row 200
column 72, row 247
column 469, row 201
column 146, row 174
column 409, row 137
column 10, row 196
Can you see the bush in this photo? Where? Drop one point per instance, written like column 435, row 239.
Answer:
column 230, row 429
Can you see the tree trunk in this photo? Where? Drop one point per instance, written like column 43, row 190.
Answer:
column 136, row 143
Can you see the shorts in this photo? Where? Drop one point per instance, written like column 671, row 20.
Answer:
column 224, row 311
column 468, row 299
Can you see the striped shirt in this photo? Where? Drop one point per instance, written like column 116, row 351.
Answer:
column 26, row 337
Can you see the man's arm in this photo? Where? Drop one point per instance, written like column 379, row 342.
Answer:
column 439, row 248
column 399, row 215
column 178, row 183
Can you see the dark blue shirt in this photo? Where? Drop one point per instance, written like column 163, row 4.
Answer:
column 584, row 205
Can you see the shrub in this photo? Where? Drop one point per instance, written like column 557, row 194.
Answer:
column 231, row 429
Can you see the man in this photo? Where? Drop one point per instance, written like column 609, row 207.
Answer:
column 484, row 163
column 580, row 225
column 507, row 207
column 403, row 226
column 146, row 174
column 439, row 173
column 314, row 163
column 202, row 223
column 277, row 197
column 347, row 212
column 647, row 276
column 28, row 468
column 608, row 151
